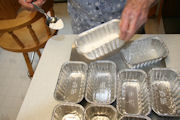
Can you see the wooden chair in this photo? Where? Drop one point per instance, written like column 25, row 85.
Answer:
column 28, row 32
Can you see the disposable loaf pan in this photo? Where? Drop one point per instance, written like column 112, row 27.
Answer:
column 145, row 52
column 68, row 111
column 99, row 41
column 100, row 112
column 165, row 89
column 154, row 116
column 71, row 82
column 101, row 82
column 134, row 117
column 133, row 92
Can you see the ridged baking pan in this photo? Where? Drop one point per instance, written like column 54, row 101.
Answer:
column 145, row 52
column 99, row 41
column 165, row 89
column 71, row 82
column 101, row 82
column 133, row 92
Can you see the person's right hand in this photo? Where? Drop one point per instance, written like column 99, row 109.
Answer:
column 27, row 3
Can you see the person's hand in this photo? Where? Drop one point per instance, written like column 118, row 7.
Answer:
column 27, row 3
column 133, row 17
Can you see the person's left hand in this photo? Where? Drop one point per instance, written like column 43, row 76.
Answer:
column 133, row 17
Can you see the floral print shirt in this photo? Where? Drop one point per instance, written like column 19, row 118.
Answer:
column 87, row 14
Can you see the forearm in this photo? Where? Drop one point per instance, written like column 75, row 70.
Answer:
column 143, row 4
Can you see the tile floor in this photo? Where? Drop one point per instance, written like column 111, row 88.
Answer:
column 14, row 81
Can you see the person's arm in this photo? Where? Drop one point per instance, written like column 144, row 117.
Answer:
column 27, row 3
column 134, row 15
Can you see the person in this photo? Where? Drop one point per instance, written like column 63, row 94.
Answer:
column 87, row 14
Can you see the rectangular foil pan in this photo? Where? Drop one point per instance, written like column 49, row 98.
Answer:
column 145, row 52
column 71, row 82
column 134, row 117
column 101, row 82
column 68, row 111
column 165, row 89
column 133, row 92
column 99, row 41
column 100, row 112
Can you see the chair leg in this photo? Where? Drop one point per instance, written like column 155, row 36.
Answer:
column 52, row 12
column 46, row 27
column 39, row 53
column 29, row 65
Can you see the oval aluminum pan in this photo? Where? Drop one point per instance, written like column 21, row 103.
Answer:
column 101, row 82
column 100, row 40
column 100, row 112
column 134, row 117
column 165, row 91
column 71, row 82
column 68, row 111
column 145, row 52
column 133, row 92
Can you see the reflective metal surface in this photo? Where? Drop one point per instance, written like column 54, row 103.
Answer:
column 99, row 41
column 116, row 57
column 134, row 117
column 71, row 82
column 145, row 52
column 154, row 116
column 100, row 112
column 133, row 92
column 101, row 82
column 68, row 111
column 165, row 89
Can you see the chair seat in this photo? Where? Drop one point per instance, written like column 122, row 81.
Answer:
column 23, row 17
column 8, row 43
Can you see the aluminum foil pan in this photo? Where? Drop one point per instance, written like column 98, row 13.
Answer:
column 68, row 111
column 99, row 41
column 145, row 52
column 71, row 82
column 165, row 89
column 154, row 116
column 101, row 82
column 100, row 112
column 133, row 92
column 134, row 117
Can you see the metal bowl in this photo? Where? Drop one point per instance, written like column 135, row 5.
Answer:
column 68, row 111
column 101, row 82
column 133, row 92
column 71, row 82
column 165, row 91
column 145, row 52
column 100, row 112
column 99, row 41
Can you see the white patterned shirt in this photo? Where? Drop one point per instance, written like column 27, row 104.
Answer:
column 87, row 14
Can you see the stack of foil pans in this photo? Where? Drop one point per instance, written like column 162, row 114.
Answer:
column 97, row 90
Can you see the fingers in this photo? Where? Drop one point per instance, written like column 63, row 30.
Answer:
column 39, row 2
column 132, row 26
column 124, row 26
column 26, row 3
column 131, row 21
